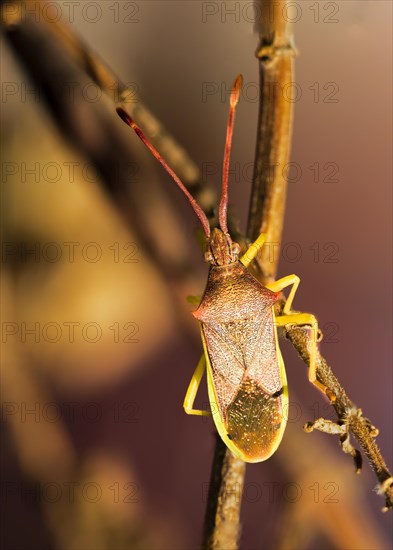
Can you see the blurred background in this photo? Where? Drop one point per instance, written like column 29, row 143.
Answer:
column 99, row 252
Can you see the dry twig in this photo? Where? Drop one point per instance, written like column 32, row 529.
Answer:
column 350, row 418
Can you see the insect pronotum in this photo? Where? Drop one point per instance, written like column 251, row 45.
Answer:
column 246, row 378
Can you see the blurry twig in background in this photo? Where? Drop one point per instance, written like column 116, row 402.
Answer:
column 59, row 64
column 334, row 509
column 100, row 73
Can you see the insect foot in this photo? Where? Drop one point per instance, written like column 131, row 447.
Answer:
column 383, row 489
column 337, row 428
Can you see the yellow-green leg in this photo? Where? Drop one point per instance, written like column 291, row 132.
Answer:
column 278, row 286
column 306, row 319
column 195, row 300
column 253, row 250
column 290, row 317
column 192, row 390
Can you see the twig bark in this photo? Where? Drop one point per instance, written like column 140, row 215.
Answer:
column 349, row 416
column 267, row 204
column 224, row 500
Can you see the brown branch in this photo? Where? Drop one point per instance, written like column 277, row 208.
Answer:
column 349, row 415
column 267, row 205
column 222, row 524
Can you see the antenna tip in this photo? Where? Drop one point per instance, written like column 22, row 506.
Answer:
column 236, row 88
column 125, row 117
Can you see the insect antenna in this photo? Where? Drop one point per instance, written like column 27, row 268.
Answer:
column 235, row 93
column 197, row 209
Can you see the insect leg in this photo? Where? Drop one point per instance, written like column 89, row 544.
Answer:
column 278, row 286
column 253, row 250
column 195, row 300
column 301, row 319
column 192, row 390
column 290, row 317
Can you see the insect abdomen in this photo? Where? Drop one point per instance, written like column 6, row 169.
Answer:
column 255, row 421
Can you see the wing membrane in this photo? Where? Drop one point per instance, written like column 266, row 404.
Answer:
column 242, row 350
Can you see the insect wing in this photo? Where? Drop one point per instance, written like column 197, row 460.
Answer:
column 247, row 384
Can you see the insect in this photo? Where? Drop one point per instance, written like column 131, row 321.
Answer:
column 246, row 378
